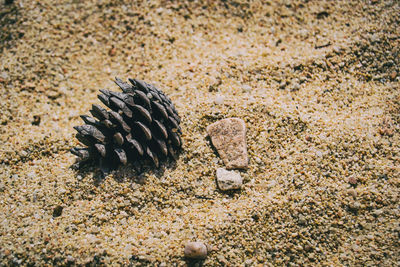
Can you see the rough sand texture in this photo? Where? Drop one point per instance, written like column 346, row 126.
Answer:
column 316, row 82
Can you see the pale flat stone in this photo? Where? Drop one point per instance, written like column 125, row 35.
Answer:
column 195, row 250
column 228, row 180
column 229, row 138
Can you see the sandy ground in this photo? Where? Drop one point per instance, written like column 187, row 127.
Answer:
column 316, row 82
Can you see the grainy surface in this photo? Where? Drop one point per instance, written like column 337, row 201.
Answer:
column 316, row 82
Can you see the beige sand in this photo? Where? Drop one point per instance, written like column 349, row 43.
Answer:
column 316, row 82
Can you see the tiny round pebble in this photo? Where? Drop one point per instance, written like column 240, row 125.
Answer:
column 195, row 250
column 353, row 180
column 57, row 211
column 219, row 100
column 295, row 86
column 246, row 88
column 352, row 192
column 70, row 258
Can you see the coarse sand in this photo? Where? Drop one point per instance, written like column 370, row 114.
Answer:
column 316, row 82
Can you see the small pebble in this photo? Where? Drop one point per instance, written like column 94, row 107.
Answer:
column 57, row 211
column 295, row 85
column 195, row 250
column 222, row 260
column 271, row 184
column 272, row 29
column 112, row 52
column 70, row 258
column 378, row 212
column 228, row 180
column 355, row 205
column 246, row 88
column 4, row 75
column 303, row 79
column 62, row 191
column 36, row 120
column 219, row 100
column 95, row 230
column 352, row 192
column 248, row 262
column 374, row 38
column 302, row 220
column 352, row 180
column 31, row 175
column 337, row 49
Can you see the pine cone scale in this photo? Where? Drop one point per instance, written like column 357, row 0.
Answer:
column 143, row 112
column 142, row 97
column 135, row 144
column 99, row 112
column 82, row 153
column 140, row 85
column 160, row 109
column 161, row 128
column 121, row 155
column 162, row 146
column 120, row 121
column 125, row 87
column 101, row 149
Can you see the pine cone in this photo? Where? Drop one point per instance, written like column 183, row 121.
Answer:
column 142, row 124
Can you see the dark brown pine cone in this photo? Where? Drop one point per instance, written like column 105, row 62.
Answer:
column 142, row 124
